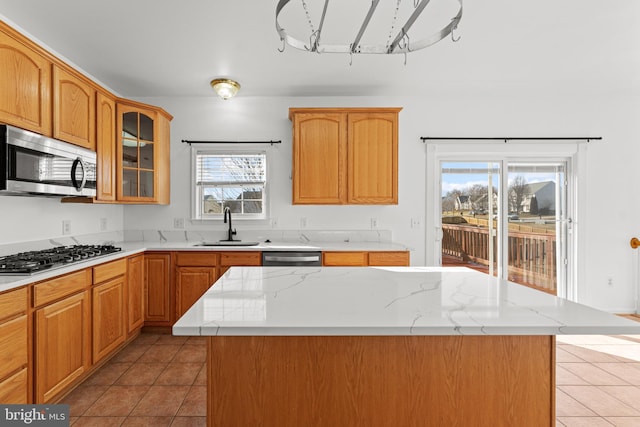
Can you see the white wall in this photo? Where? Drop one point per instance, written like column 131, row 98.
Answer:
column 24, row 219
column 609, row 219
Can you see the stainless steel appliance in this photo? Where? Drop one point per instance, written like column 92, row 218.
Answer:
column 32, row 262
column 292, row 258
column 32, row 164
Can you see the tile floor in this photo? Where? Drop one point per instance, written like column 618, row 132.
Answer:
column 159, row 380
column 598, row 380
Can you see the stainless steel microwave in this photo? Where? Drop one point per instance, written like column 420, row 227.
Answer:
column 35, row 165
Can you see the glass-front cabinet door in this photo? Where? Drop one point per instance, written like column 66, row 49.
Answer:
column 137, row 154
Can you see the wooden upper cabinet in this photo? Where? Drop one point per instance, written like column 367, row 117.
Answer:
column 319, row 158
column 40, row 93
column 163, row 170
column 106, row 146
column 74, row 108
column 345, row 155
column 373, row 158
column 25, row 85
column 142, row 147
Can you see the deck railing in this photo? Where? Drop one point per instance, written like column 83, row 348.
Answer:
column 531, row 255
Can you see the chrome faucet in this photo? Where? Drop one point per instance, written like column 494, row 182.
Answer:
column 232, row 232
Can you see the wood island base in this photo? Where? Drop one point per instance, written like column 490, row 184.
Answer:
column 381, row 381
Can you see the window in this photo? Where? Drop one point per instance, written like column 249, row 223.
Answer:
column 234, row 180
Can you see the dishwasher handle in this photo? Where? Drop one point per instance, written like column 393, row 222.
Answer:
column 314, row 258
column 285, row 258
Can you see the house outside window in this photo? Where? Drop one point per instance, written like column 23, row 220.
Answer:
column 229, row 179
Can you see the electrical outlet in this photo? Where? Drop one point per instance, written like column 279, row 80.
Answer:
column 416, row 223
column 66, row 226
column 303, row 222
column 610, row 281
column 274, row 222
column 103, row 224
column 178, row 223
column 374, row 223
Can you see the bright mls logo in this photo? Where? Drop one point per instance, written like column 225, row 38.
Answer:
column 34, row 415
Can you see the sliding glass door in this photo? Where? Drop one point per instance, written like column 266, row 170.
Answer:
column 507, row 218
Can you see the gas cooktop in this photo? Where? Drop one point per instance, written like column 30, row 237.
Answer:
column 32, row 262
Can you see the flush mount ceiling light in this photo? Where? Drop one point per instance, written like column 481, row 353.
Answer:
column 382, row 32
column 225, row 88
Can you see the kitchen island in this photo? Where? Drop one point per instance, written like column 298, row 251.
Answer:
column 383, row 346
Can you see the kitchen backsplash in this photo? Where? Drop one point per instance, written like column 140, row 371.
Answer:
column 297, row 236
column 159, row 236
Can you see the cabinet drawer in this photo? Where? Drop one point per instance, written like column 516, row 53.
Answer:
column 13, row 345
column 13, row 302
column 54, row 289
column 109, row 270
column 197, row 259
column 241, row 258
column 355, row 259
column 389, row 258
column 13, row 390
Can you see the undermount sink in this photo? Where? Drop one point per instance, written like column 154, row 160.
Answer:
column 228, row 243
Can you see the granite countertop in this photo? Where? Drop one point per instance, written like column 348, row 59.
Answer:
column 132, row 248
column 385, row 301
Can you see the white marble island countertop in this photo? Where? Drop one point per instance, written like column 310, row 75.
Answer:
column 299, row 301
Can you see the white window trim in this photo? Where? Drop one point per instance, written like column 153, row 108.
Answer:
column 573, row 150
column 230, row 149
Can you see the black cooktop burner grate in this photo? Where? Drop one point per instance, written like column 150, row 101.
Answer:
column 26, row 263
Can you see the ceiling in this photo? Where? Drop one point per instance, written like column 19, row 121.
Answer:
column 151, row 48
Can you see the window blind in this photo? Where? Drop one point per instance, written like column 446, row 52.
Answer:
column 222, row 169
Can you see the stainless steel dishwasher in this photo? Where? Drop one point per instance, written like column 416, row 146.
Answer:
column 292, row 258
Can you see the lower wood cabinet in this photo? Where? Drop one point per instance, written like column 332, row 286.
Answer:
column 364, row 259
column 191, row 284
column 353, row 259
column 109, row 311
column 237, row 259
column 135, row 293
column 62, row 344
column 157, row 289
column 399, row 258
column 14, row 347
column 195, row 272
column 80, row 319
column 108, row 317
column 14, row 389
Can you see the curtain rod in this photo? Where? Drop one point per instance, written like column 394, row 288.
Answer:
column 231, row 142
column 510, row 138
